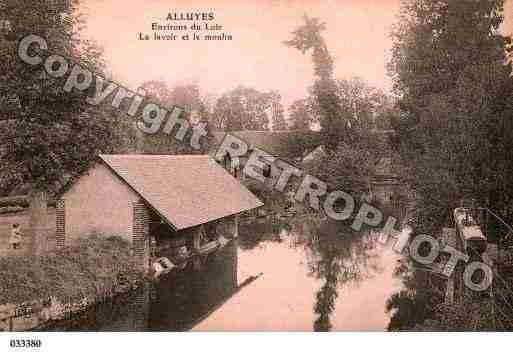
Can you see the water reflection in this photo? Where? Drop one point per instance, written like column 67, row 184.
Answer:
column 317, row 275
column 183, row 299
column 176, row 303
column 336, row 256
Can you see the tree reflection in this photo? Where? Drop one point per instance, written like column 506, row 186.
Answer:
column 416, row 301
column 336, row 255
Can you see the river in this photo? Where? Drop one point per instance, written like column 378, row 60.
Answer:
column 305, row 275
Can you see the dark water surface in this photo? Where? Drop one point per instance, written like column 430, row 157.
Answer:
column 310, row 275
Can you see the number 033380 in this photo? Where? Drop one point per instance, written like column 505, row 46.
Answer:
column 25, row 343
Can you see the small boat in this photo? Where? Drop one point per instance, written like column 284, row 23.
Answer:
column 469, row 231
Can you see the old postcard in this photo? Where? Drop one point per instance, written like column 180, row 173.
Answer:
column 259, row 165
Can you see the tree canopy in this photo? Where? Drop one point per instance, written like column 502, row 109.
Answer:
column 308, row 37
column 453, row 78
column 300, row 115
column 46, row 133
column 245, row 108
column 188, row 97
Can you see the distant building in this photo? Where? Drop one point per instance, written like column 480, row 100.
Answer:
column 289, row 146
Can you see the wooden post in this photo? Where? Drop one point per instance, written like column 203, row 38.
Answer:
column 196, row 239
column 235, row 279
column 449, row 291
column 236, row 226
column 38, row 222
column 196, row 245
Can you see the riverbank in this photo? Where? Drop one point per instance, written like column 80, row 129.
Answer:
column 33, row 290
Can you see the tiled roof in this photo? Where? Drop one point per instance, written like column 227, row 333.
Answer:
column 283, row 144
column 185, row 190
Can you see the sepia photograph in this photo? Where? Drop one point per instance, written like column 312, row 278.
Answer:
column 255, row 166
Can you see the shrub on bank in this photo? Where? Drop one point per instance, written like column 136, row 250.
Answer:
column 91, row 267
column 273, row 200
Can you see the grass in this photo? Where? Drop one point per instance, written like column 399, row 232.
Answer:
column 92, row 267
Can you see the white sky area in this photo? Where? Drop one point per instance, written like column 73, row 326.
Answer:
column 357, row 36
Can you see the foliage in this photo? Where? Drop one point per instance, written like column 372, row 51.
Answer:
column 47, row 133
column 188, row 97
column 350, row 166
column 468, row 315
column 254, row 233
column 407, row 310
column 416, row 302
column 275, row 201
column 308, row 37
column 300, row 115
column 84, row 269
column 345, row 109
column 277, row 112
column 245, row 108
column 367, row 106
column 450, row 69
column 455, row 128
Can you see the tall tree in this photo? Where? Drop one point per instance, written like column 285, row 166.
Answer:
column 188, row 98
column 364, row 103
column 243, row 108
column 309, row 37
column 450, row 70
column 47, row 133
column 300, row 116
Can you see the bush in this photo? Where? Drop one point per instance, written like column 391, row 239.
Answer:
column 91, row 267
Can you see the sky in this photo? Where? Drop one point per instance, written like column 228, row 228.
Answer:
column 357, row 36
